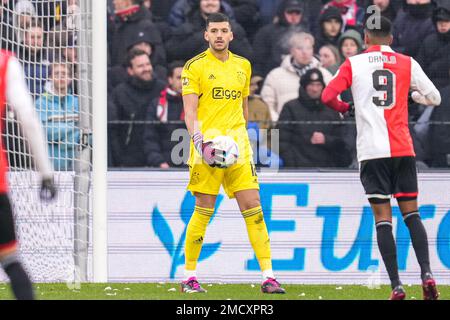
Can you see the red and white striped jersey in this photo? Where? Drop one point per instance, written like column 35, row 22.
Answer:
column 13, row 89
column 380, row 80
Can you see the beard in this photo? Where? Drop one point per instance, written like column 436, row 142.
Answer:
column 219, row 49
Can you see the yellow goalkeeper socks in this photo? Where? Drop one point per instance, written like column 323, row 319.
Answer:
column 194, row 236
column 259, row 237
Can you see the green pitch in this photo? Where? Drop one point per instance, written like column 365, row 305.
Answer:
column 170, row 291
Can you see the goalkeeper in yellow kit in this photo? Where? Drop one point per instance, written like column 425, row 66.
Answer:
column 215, row 96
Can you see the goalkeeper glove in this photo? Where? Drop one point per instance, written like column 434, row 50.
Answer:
column 48, row 189
column 211, row 155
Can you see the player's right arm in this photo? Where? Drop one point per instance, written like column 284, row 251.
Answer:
column 424, row 91
column 341, row 82
column 190, row 78
column 20, row 100
column 190, row 103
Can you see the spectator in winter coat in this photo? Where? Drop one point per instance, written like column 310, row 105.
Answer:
column 435, row 49
column 316, row 145
column 132, row 18
column 131, row 102
column 158, row 144
column 140, row 41
column 23, row 15
column 247, row 15
column 387, row 8
column 352, row 14
column 350, row 44
column 271, row 41
column 188, row 39
column 182, row 8
column 412, row 24
column 59, row 113
column 281, row 84
column 35, row 57
column 330, row 26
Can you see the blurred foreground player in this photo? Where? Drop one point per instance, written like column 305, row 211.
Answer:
column 215, row 88
column 13, row 89
column 380, row 80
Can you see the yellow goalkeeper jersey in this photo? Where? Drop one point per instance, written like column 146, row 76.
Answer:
column 221, row 88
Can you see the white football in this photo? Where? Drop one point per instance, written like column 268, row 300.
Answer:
column 229, row 146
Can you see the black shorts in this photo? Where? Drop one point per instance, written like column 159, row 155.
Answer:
column 7, row 232
column 387, row 177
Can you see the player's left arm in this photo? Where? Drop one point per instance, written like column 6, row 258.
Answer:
column 341, row 82
column 245, row 110
column 424, row 91
column 246, row 91
column 20, row 100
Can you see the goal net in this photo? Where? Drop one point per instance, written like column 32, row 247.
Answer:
column 52, row 40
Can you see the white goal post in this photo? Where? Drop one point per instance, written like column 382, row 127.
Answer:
column 65, row 240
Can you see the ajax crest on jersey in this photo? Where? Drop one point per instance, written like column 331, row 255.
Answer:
column 229, row 147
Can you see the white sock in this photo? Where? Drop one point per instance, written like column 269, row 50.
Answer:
column 268, row 274
column 189, row 274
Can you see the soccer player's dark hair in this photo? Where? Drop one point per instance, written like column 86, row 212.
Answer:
column 383, row 30
column 217, row 17
column 133, row 54
column 173, row 65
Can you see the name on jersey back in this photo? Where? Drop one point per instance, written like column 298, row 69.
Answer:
column 383, row 58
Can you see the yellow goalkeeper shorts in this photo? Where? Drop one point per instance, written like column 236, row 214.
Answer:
column 207, row 180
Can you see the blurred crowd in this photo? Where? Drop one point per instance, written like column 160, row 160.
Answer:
column 295, row 47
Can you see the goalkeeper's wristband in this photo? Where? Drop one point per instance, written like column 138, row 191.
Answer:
column 197, row 139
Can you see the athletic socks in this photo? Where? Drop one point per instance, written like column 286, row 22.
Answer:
column 388, row 250
column 194, row 236
column 419, row 240
column 259, row 237
column 20, row 282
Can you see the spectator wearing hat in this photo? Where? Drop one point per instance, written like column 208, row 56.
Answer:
column 411, row 26
column 271, row 41
column 131, row 18
column 23, row 14
column 131, row 101
column 330, row 26
column 188, row 39
column 435, row 49
column 350, row 44
column 352, row 14
column 281, row 84
column 311, row 145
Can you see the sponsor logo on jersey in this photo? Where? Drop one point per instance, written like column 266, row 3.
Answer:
column 185, row 82
column 211, row 77
column 222, row 93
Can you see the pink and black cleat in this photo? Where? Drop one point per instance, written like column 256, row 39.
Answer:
column 272, row 286
column 191, row 285
column 398, row 293
column 429, row 288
